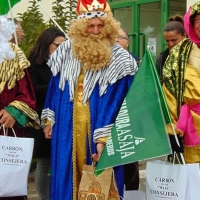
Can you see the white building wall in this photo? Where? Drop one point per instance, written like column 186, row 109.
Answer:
column 47, row 4
column 22, row 6
column 190, row 3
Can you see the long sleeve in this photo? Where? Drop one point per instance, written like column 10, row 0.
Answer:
column 40, row 76
column 22, row 97
column 105, row 111
column 48, row 113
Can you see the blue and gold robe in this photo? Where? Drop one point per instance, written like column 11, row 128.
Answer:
column 103, row 94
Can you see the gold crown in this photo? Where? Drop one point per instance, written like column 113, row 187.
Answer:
column 84, row 6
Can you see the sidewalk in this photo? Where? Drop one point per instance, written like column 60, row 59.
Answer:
column 32, row 194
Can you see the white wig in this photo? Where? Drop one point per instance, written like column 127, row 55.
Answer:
column 7, row 28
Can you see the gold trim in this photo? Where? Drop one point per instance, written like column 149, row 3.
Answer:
column 82, row 9
column 47, row 122
column 89, row 128
column 26, row 110
column 12, row 70
column 95, row 6
column 74, row 145
column 78, row 98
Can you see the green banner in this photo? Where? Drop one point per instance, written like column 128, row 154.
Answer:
column 139, row 131
column 4, row 5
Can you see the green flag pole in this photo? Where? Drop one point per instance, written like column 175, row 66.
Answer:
column 10, row 8
column 52, row 19
column 165, row 107
column 163, row 100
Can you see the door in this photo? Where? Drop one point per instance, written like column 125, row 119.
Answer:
column 143, row 20
column 151, row 16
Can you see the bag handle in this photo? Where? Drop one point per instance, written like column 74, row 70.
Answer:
column 175, row 156
column 5, row 131
column 176, row 138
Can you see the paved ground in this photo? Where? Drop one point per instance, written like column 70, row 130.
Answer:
column 32, row 194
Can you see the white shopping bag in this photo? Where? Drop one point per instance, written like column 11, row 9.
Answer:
column 172, row 181
column 134, row 195
column 15, row 160
column 193, row 187
column 165, row 181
